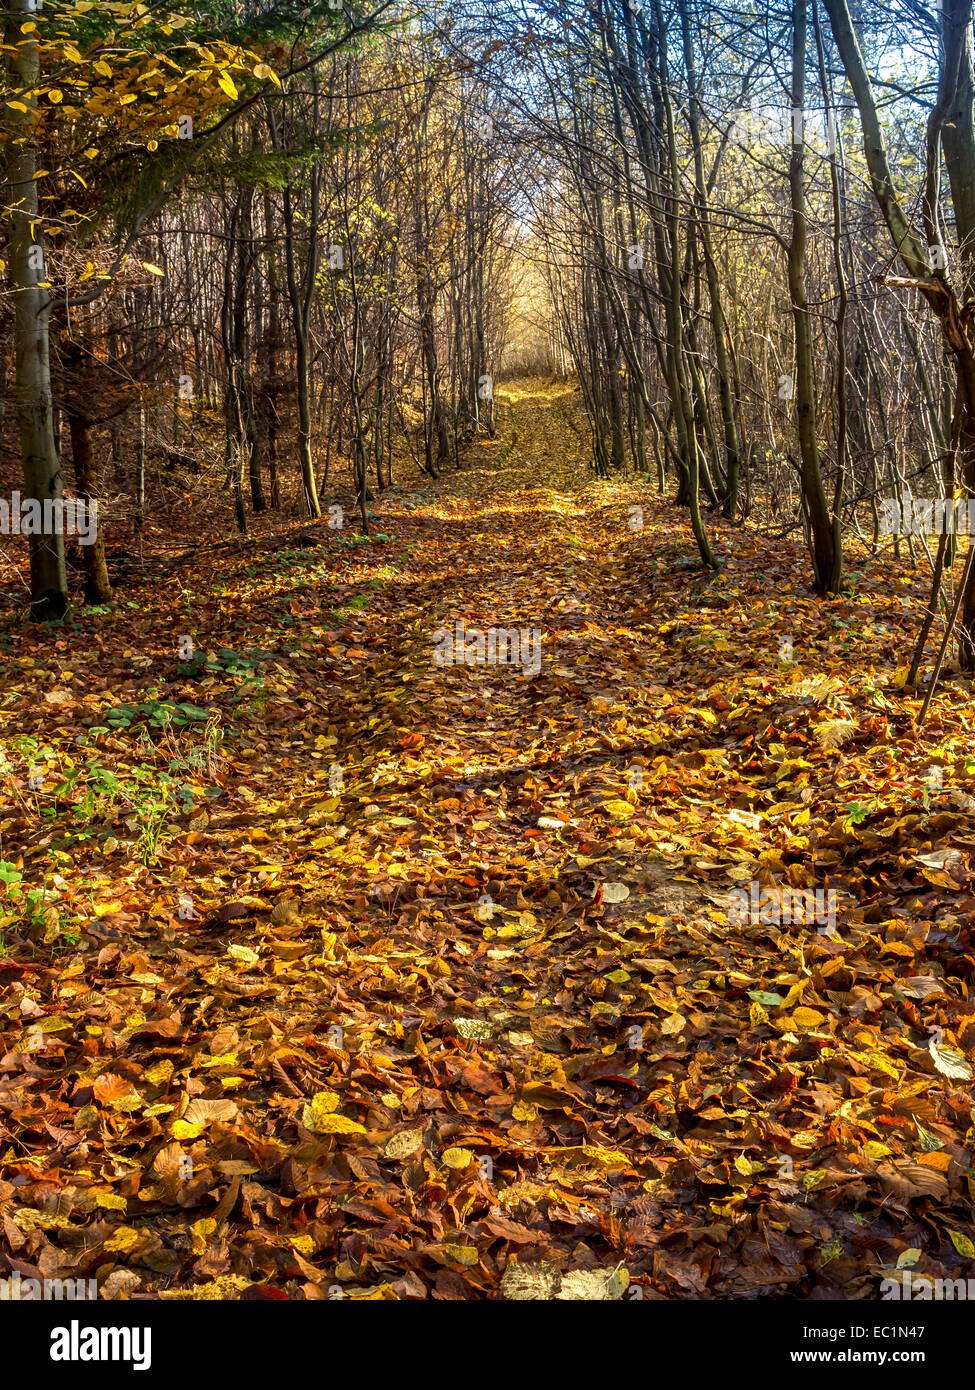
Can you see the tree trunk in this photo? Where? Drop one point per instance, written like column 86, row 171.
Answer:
column 826, row 568
column 32, row 370
column 954, row 88
column 97, row 586
column 140, row 470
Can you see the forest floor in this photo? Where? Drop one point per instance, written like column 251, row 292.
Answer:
column 326, row 969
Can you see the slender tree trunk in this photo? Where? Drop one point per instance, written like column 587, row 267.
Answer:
column 826, row 569
column 97, row 586
column 32, row 365
column 718, row 325
column 140, row 470
column 954, row 88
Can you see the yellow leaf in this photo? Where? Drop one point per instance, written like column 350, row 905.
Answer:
column 113, row 1201
column 618, row 808
column 963, row 1245
column 17, row 105
column 610, row 1158
column 877, row 1062
column 158, row 1074
column 182, row 1130
column 324, row 1103
column 55, row 94
column 458, row 1158
column 805, row 1019
column 875, row 1151
column 122, row 1239
column 794, row 995
column 102, row 68
column 319, row 1116
column 201, row 1230
column 462, row 1254
column 336, row 1124
column 226, row 84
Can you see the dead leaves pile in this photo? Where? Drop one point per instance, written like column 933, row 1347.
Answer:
column 472, row 1021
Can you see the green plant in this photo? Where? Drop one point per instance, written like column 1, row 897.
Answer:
column 32, row 903
column 36, row 902
column 203, row 759
column 353, row 605
column 153, row 814
column 857, row 813
column 10, row 875
column 226, row 661
column 158, row 712
column 251, row 697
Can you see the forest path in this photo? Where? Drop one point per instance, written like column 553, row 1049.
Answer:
column 460, row 1011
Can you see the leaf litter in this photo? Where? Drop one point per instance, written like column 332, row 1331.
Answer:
column 328, row 970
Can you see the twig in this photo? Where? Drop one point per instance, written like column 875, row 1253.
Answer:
column 962, row 585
